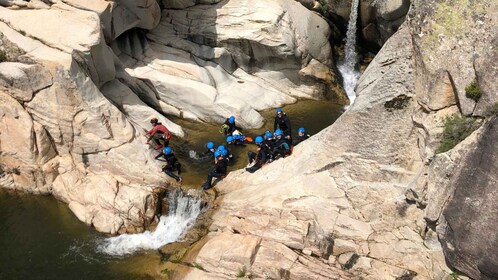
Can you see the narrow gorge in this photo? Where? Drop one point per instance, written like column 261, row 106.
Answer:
column 401, row 186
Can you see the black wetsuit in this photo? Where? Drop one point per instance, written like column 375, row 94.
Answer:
column 300, row 139
column 230, row 127
column 283, row 123
column 172, row 163
column 281, row 148
column 260, row 157
column 271, row 146
column 218, row 171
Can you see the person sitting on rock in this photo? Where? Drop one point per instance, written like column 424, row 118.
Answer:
column 281, row 147
column 259, row 158
column 229, row 126
column 270, row 142
column 282, row 122
column 172, row 163
column 158, row 133
column 218, row 171
column 301, row 136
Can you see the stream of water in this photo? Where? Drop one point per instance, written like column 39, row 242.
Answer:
column 183, row 210
column 347, row 64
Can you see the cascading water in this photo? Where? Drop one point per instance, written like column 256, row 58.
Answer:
column 183, row 211
column 347, row 67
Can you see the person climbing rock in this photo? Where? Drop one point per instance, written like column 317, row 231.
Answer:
column 157, row 134
column 229, row 126
column 282, row 122
column 257, row 159
column 281, row 146
column 172, row 163
column 301, row 136
column 218, row 171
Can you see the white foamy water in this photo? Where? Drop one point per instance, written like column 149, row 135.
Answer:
column 183, row 211
column 347, row 67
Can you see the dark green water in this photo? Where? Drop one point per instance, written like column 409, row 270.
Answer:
column 41, row 239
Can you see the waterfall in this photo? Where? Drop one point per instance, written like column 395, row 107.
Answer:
column 347, row 66
column 183, row 211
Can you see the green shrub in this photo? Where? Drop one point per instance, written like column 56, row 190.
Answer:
column 473, row 91
column 456, row 129
column 242, row 272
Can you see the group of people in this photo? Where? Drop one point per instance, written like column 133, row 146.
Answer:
column 270, row 146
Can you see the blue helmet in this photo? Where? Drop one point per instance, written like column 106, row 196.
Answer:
column 268, row 135
column 231, row 119
column 301, row 130
column 279, row 110
column 229, row 139
column 221, row 148
column 224, row 153
column 258, row 140
column 210, row 145
column 278, row 132
column 167, row 151
column 217, row 154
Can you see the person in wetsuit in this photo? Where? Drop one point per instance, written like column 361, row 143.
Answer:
column 282, row 122
column 229, row 126
column 172, row 164
column 301, row 136
column 218, row 171
column 281, row 146
column 257, row 159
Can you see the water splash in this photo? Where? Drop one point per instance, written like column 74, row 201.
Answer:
column 183, row 210
column 347, row 66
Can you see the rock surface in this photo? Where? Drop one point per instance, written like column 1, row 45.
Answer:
column 340, row 197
